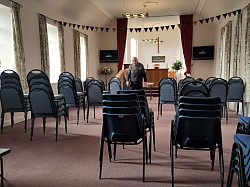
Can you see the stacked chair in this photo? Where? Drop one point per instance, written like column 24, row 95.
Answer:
column 94, row 91
column 147, row 113
column 67, row 87
column 122, row 124
column 235, row 92
column 114, row 85
column 218, row 88
column 194, row 89
column 167, row 93
column 43, row 102
column 240, row 155
column 197, row 126
column 12, row 97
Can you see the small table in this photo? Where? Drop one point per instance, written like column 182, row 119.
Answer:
column 3, row 152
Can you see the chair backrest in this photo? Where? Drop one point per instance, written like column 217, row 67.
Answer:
column 194, row 89
column 218, row 88
column 114, row 86
column 167, row 90
column 209, row 80
column 236, row 89
column 184, row 81
column 87, row 80
column 199, row 122
column 122, row 123
column 94, row 93
column 67, row 86
column 12, row 98
column 115, row 79
column 79, row 87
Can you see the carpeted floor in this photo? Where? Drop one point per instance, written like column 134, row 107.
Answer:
column 73, row 160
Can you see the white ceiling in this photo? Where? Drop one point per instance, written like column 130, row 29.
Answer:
column 81, row 10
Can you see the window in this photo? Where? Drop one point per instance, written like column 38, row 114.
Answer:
column 7, row 54
column 83, row 47
column 54, row 53
column 134, row 47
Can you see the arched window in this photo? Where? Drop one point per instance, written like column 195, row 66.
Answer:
column 134, row 47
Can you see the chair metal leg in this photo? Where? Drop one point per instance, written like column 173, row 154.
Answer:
column 101, row 157
column 2, row 120
column 57, row 119
column 143, row 155
column 88, row 114
column 44, row 126
column 78, row 109
column 94, row 112
column 12, row 119
column 110, row 152
column 2, row 176
column 25, row 118
column 242, row 106
column 32, row 127
column 158, row 111
column 65, row 122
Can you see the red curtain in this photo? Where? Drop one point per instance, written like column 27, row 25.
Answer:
column 121, row 39
column 186, row 22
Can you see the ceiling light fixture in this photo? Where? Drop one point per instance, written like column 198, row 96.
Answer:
column 134, row 15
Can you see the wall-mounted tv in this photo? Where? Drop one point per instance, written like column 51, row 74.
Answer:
column 203, row 52
column 107, row 56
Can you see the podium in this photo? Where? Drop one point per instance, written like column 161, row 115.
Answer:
column 155, row 75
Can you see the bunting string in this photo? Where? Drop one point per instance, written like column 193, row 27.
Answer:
column 150, row 29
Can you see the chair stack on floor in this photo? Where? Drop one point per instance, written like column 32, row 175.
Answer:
column 43, row 102
column 240, row 155
column 122, row 124
column 12, row 97
column 147, row 112
column 67, row 87
column 197, row 126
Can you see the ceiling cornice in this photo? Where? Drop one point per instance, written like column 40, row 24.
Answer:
column 105, row 11
column 199, row 6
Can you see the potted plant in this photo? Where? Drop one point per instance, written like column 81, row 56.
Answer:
column 105, row 71
column 177, row 65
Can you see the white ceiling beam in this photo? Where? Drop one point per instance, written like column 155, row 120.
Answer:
column 105, row 11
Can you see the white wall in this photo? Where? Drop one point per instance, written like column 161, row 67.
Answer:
column 30, row 28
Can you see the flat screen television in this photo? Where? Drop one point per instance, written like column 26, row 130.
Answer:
column 107, row 56
column 203, row 52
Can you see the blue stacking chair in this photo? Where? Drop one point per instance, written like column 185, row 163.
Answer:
column 240, row 160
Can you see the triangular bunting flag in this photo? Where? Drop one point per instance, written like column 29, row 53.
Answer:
column 229, row 14
column 114, row 29
column 239, row 11
column 179, row 25
column 173, row 26
column 162, row 28
column 131, row 29
column 136, row 29
column 224, row 15
column 55, row 21
column 74, row 25
column 102, row 29
column 150, row 29
column 234, row 12
column 145, row 29
column 70, row 24
column 139, row 29
column 207, row 20
column 107, row 29
column 92, row 28
column 60, row 23
column 96, row 28
column 218, row 17
column 64, row 24
column 212, row 19
column 87, row 27
column 167, row 27
column 195, row 22
column 78, row 26
column 83, row 27
column 157, row 28
column 201, row 21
